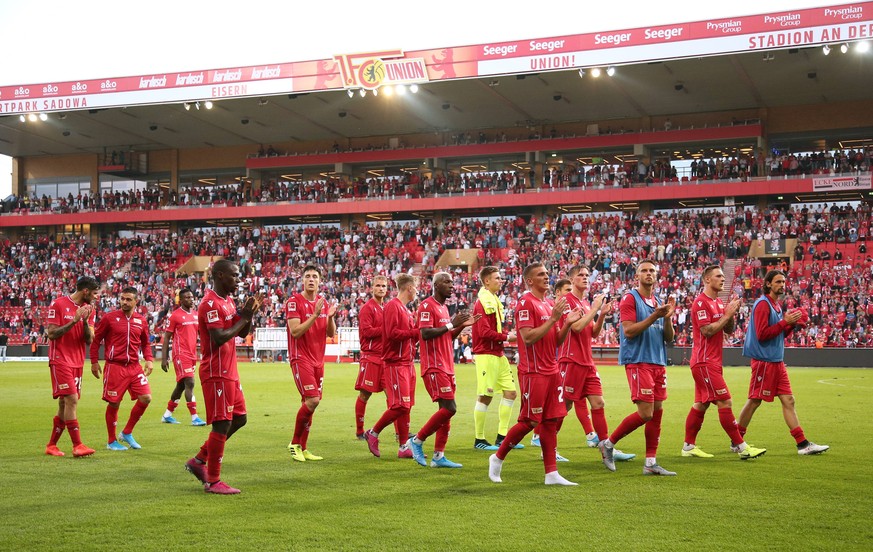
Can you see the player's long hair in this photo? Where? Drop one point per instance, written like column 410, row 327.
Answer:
column 769, row 278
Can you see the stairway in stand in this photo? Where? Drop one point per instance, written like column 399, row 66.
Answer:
column 729, row 268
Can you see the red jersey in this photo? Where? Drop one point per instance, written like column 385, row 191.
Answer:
column 183, row 328
column 124, row 338
column 486, row 339
column 370, row 330
column 576, row 347
column 540, row 357
column 627, row 307
column 69, row 349
column 706, row 350
column 309, row 347
column 399, row 334
column 436, row 354
column 217, row 361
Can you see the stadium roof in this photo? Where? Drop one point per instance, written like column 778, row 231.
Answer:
column 671, row 88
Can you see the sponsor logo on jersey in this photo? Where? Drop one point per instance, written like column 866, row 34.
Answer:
column 229, row 408
column 64, row 386
column 701, row 315
column 445, row 389
column 292, row 305
column 425, row 316
column 308, row 387
column 646, row 392
column 523, row 316
column 536, row 410
column 212, row 316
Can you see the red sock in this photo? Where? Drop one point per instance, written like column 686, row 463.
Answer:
column 435, row 422
column 304, row 437
column 215, row 448
column 628, row 425
column 136, row 413
column 742, row 430
column 549, row 442
column 360, row 410
column 203, row 454
column 653, row 433
column 73, row 430
column 598, row 420
column 442, row 437
column 192, row 407
column 729, row 424
column 388, row 417
column 57, row 430
column 171, row 406
column 514, row 436
column 797, row 433
column 111, row 423
column 401, row 426
column 581, row 408
column 301, row 423
column 693, row 423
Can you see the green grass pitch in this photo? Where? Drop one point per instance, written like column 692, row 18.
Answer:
column 353, row 501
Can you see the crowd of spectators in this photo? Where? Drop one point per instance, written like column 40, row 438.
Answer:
column 830, row 276
column 426, row 183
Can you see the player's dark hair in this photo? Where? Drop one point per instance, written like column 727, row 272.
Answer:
column 709, row 269
column 86, row 282
column 311, row 268
column 530, row 268
column 577, row 269
column 131, row 290
column 646, row 261
column 768, row 278
column 221, row 265
column 561, row 283
column 486, row 272
column 185, row 290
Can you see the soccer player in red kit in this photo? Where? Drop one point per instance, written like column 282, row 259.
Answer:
column 124, row 334
column 646, row 328
column 542, row 403
column 399, row 336
column 710, row 319
column 370, row 332
column 310, row 320
column 69, row 330
column 765, row 345
column 438, row 368
column 182, row 331
column 576, row 359
column 219, row 324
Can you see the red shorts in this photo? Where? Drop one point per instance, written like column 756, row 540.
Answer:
column 120, row 378
column 223, row 399
column 580, row 381
column 541, row 397
column 308, row 379
column 399, row 382
column 369, row 376
column 66, row 380
column 439, row 385
column 647, row 382
column 709, row 384
column 184, row 368
column 769, row 380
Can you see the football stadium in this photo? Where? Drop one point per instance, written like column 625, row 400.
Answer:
column 445, row 263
